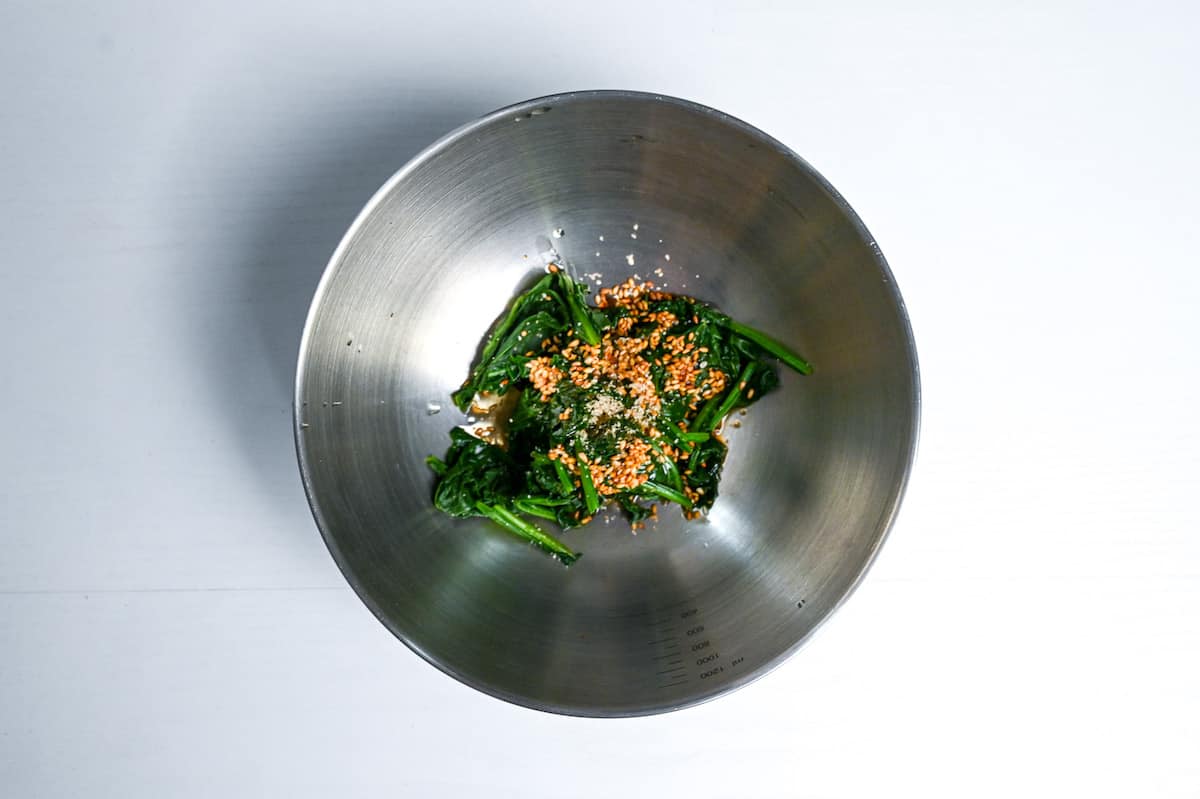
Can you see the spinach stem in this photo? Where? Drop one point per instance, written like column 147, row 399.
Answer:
column 547, row 502
column 564, row 478
column 668, row 466
column 502, row 330
column 533, row 509
column 515, row 524
column 733, row 396
column 590, row 497
column 678, row 437
column 776, row 348
column 579, row 312
column 706, row 410
column 665, row 492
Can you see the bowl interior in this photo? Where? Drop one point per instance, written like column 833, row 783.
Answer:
column 683, row 610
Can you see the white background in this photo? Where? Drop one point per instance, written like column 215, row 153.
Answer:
column 173, row 178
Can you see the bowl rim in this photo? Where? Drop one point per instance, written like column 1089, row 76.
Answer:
column 520, row 110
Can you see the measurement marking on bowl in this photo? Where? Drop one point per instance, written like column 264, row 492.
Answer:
column 695, row 653
column 671, row 667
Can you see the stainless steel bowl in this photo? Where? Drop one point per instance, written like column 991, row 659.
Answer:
column 683, row 611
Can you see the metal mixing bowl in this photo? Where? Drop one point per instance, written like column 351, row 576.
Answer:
column 683, row 611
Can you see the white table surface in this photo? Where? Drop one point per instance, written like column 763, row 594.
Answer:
column 173, row 178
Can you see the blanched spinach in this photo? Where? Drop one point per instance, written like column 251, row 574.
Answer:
column 563, row 452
